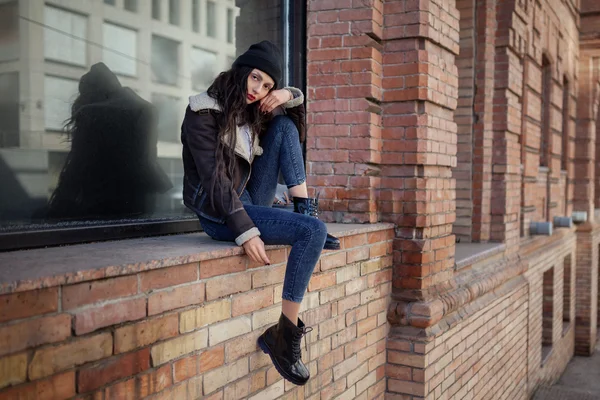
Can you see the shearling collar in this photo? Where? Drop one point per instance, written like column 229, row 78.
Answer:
column 203, row 101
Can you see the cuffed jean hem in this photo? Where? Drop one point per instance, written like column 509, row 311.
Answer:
column 292, row 298
column 300, row 182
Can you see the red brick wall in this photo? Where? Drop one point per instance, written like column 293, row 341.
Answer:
column 190, row 330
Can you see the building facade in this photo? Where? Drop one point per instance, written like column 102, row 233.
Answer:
column 453, row 144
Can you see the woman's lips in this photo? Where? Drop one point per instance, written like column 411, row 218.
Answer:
column 251, row 98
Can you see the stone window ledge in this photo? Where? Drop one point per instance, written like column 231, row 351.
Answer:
column 471, row 253
column 40, row 268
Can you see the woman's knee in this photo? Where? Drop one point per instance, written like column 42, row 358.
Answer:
column 318, row 230
column 284, row 125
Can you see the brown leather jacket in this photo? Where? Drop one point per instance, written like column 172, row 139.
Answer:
column 199, row 133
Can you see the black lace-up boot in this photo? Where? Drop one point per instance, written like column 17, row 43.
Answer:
column 309, row 206
column 282, row 343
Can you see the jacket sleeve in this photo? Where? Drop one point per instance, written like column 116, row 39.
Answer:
column 295, row 110
column 201, row 138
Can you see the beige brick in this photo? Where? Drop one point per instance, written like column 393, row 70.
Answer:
column 226, row 285
column 344, row 368
column 176, row 297
column 366, row 382
column 347, row 273
column 331, row 326
column 271, row 393
column 366, row 325
column 377, row 361
column 238, row 390
column 242, row 346
column 175, row 348
column 374, row 265
column 211, row 359
column 51, row 360
column 332, row 294
column 229, row 329
column 408, row 359
column 257, row 381
column 343, row 337
column 205, row 315
column 265, row 317
column 245, row 303
column 13, row 369
column 268, row 276
column 414, row 388
column 220, row 377
column 310, row 301
column 130, row 337
column 349, row 394
column 356, row 285
column 333, row 261
column 348, row 303
column 357, row 254
column 376, row 335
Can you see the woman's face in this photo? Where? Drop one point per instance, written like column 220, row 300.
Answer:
column 259, row 85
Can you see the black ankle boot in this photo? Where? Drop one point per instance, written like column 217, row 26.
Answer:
column 309, row 206
column 282, row 343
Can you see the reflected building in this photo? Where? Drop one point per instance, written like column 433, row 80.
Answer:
column 163, row 50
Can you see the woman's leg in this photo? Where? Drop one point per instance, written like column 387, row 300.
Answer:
column 281, row 152
column 305, row 234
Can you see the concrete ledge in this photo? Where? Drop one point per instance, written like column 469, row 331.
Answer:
column 38, row 268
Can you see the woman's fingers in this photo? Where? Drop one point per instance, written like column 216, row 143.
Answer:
column 263, row 254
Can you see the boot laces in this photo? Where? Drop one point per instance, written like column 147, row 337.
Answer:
column 296, row 349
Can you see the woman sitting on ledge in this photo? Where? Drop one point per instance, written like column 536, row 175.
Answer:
column 230, row 182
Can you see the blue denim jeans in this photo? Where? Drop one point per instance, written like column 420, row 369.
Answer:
column 306, row 235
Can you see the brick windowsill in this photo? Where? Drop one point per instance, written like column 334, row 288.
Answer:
column 38, row 268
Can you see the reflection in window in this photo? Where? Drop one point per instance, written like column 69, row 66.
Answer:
column 156, row 9
column 174, row 12
column 204, row 69
column 230, row 25
column 120, row 49
column 168, row 108
column 64, row 37
column 196, row 15
column 165, row 60
column 211, row 19
column 9, row 110
column 9, row 31
column 59, row 94
column 131, row 5
column 109, row 2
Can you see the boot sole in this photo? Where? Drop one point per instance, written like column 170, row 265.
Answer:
column 332, row 247
column 265, row 348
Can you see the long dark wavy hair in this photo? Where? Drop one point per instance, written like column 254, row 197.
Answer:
column 229, row 90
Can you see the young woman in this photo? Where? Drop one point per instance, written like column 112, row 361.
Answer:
column 234, row 148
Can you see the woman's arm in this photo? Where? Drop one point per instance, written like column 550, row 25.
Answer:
column 201, row 139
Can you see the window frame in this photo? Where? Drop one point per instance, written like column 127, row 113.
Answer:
column 294, row 20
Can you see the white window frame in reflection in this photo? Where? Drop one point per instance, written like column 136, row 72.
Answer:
column 59, row 94
column 120, row 49
column 65, row 36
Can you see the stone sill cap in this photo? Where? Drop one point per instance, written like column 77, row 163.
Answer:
column 39, row 268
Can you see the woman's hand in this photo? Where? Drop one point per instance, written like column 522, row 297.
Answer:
column 275, row 99
column 255, row 248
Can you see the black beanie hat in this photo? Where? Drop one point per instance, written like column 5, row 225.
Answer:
column 264, row 56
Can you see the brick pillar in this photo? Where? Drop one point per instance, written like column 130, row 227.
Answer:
column 344, row 96
column 420, row 41
column 587, row 108
column 586, row 304
column 483, row 134
column 506, row 161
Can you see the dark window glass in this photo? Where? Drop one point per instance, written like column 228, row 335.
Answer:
column 196, row 15
column 131, row 5
column 156, row 5
column 165, row 64
column 211, row 19
column 174, row 12
column 90, row 149
column 230, row 25
column 109, row 2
